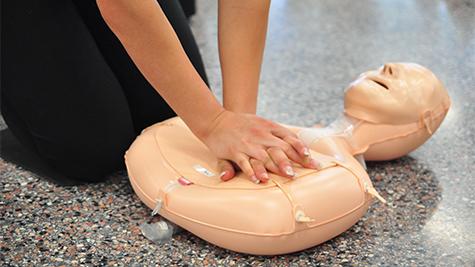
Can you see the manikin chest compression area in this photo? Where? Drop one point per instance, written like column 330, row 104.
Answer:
column 388, row 113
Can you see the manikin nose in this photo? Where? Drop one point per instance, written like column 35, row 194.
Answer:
column 388, row 69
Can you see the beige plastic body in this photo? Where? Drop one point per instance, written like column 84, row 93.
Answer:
column 283, row 215
column 396, row 109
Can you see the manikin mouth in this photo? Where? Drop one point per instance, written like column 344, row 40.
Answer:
column 380, row 83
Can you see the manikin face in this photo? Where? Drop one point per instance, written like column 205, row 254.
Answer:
column 396, row 93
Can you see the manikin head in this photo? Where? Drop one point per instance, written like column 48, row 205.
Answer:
column 396, row 93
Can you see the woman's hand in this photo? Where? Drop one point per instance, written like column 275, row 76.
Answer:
column 255, row 145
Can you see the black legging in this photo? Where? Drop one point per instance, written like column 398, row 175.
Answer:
column 69, row 91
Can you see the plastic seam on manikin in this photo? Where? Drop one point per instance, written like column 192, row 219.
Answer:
column 165, row 204
column 309, row 224
column 366, row 188
column 363, row 114
column 138, row 187
column 310, row 221
column 441, row 108
column 164, row 122
column 417, row 127
column 294, row 206
column 362, row 184
column 426, row 119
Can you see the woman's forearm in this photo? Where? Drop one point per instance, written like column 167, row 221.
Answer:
column 151, row 42
column 242, row 27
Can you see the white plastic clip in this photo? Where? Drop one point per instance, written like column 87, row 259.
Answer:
column 301, row 217
column 426, row 119
column 157, row 208
column 203, row 170
column 370, row 190
column 172, row 184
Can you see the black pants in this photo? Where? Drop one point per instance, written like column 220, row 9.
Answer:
column 69, row 91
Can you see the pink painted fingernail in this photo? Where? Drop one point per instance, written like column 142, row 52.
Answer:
column 306, row 152
column 222, row 174
column 255, row 180
column 184, row 181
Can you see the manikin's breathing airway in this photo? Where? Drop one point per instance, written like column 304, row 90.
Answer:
column 340, row 127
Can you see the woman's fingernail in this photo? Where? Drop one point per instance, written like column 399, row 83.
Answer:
column 265, row 176
column 255, row 180
column 222, row 174
column 315, row 164
column 289, row 171
column 306, row 152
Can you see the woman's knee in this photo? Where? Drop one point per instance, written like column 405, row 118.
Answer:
column 92, row 165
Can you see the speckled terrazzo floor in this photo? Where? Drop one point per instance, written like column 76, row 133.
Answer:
column 314, row 49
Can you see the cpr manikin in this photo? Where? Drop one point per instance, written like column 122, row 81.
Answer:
column 388, row 113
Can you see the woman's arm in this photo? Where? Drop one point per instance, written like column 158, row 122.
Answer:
column 151, row 42
column 242, row 27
